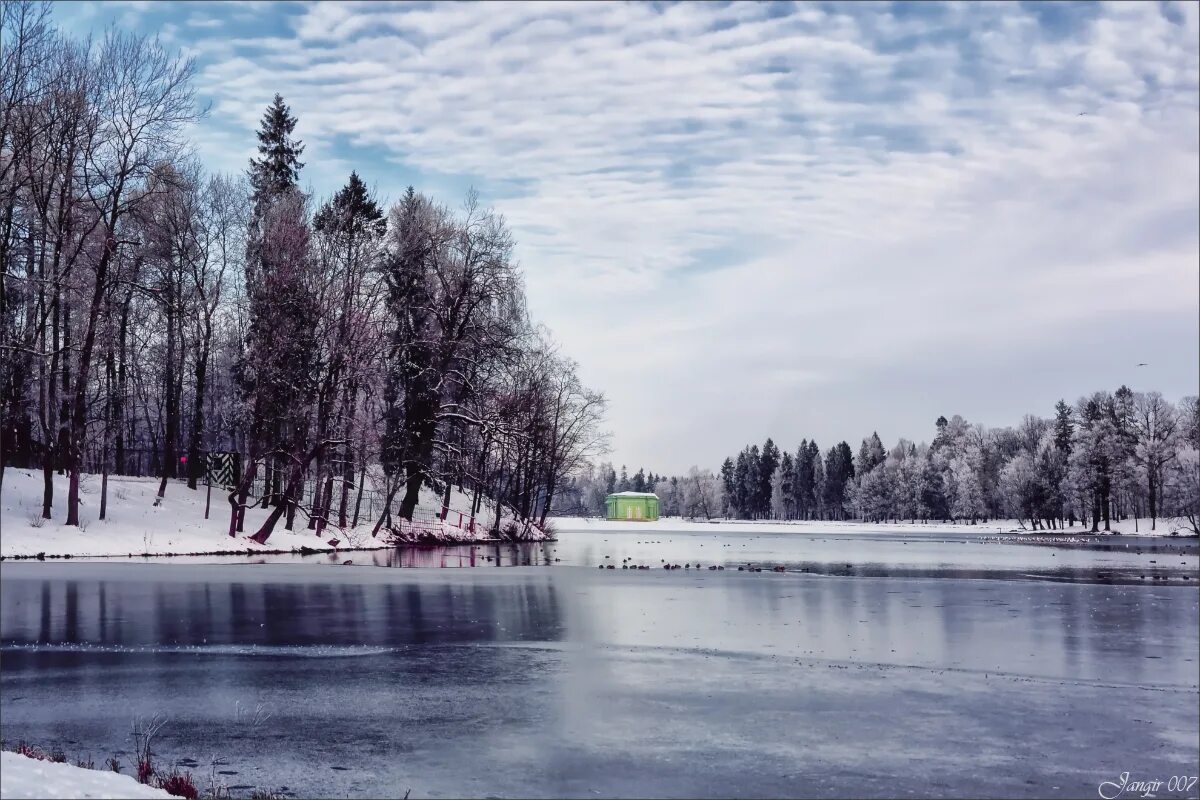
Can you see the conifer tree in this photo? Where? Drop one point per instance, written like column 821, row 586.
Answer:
column 278, row 168
column 768, row 462
column 1064, row 427
column 802, row 483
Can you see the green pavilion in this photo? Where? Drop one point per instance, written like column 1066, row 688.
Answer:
column 632, row 505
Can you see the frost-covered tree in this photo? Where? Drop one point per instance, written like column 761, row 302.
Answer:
column 778, row 494
column 1153, row 426
column 702, row 494
column 669, row 498
column 1020, row 489
column 967, row 501
column 870, row 454
column 819, row 483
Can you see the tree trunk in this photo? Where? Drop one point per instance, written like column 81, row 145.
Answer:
column 109, row 375
column 546, row 503
column 1150, row 493
column 289, row 505
column 387, row 504
column 362, row 478
column 171, row 434
column 318, row 487
column 120, row 465
column 237, row 498
column 1105, row 504
column 326, row 504
column 412, row 494
column 79, row 415
column 198, row 412
column 294, row 485
column 268, row 472
column 347, row 452
column 47, row 483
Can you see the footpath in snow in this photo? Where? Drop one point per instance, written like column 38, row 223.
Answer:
column 136, row 526
column 23, row 777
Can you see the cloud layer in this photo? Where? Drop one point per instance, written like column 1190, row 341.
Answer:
column 796, row 220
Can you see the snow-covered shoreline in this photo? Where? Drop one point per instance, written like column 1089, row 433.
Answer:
column 176, row 526
column 23, row 777
column 136, row 526
column 1163, row 527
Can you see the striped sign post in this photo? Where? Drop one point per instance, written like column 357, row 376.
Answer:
column 222, row 469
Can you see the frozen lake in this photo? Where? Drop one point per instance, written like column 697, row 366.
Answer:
column 946, row 666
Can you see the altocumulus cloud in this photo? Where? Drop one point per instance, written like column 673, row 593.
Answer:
column 802, row 219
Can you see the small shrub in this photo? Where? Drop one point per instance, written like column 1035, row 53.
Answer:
column 30, row 752
column 263, row 794
column 86, row 764
column 245, row 716
column 143, row 733
column 510, row 530
column 113, row 764
column 36, row 520
column 179, row 784
column 57, row 756
column 83, row 524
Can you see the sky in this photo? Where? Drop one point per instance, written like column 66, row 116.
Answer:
column 769, row 219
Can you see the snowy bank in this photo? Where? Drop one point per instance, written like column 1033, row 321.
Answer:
column 997, row 526
column 24, row 777
column 176, row 526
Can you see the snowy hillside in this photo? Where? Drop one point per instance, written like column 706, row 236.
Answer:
column 135, row 525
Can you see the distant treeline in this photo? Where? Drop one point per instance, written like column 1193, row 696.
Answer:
column 1108, row 457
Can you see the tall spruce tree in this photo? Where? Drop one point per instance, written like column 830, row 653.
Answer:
column 1064, row 427
column 275, row 372
column 768, row 461
column 740, row 471
column 802, row 485
column 753, row 485
column 278, row 167
column 729, row 483
column 787, row 484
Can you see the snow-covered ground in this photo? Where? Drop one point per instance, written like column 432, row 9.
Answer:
column 24, row 777
column 677, row 524
column 135, row 525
